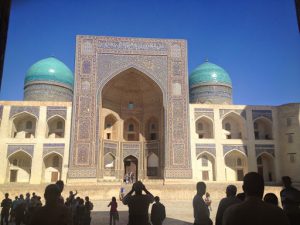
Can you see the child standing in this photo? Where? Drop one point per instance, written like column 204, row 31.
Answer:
column 113, row 214
column 207, row 201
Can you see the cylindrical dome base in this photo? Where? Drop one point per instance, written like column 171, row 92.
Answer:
column 47, row 92
column 211, row 94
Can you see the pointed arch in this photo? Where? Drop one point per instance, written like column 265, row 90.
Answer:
column 19, row 125
column 56, row 127
column 206, row 166
column 236, row 165
column 237, row 126
column 110, row 127
column 52, row 167
column 204, row 127
column 263, row 128
column 19, row 164
column 265, row 166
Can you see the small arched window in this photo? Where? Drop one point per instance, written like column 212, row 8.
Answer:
column 239, row 162
column 131, row 127
column 15, row 162
column 59, row 125
column 259, row 160
column 204, row 161
column 55, row 161
column 200, row 126
column 227, row 126
column 29, row 125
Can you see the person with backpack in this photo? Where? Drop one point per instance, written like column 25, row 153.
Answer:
column 158, row 212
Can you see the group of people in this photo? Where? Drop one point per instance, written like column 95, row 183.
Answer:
column 250, row 207
column 21, row 209
column 56, row 211
column 129, row 178
column 247, row 208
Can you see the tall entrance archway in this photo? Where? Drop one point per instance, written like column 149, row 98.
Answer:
column 235, row 165
column 130, row 169
column 136, row 102
column 265, row 167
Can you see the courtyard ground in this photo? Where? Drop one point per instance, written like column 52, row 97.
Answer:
column 177, row 198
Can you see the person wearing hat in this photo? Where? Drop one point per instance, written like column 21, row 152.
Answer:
column 138, row 204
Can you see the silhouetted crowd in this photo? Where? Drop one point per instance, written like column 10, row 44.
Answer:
column 56, row 211
column 247, row 208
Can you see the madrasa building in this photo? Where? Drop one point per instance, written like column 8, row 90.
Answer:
column 131, row 108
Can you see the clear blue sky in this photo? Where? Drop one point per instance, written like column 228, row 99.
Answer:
column 257, row 42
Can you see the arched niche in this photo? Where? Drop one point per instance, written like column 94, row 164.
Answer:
column 235, row 165
column 233, row 126
column 152, row 129
column 265, row 167
column 19, row 167
column 24, row 126
column 204, row 128
column 110, row 128
column 262, row 129
column 205, row 167
column 52, row 167
column 131, row 168
column 109, row 165
column 56, row 127
column 152, row 165
column 131, row 130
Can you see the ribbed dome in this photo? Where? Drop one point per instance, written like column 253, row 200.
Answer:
column 209, row 73
column 50, row 69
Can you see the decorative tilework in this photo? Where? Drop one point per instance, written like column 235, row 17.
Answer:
column 86, row 67
column 35, row 110
column 110, row 147
column 262, row 113
column 240, row 112
column 259, row 149
column 241, row 148
column 11, row 149
column 210, row 148
column 53, row 148
column 82, row 172
column 131, row 149
column 198, row 112
column 56, row 110
column 178, row 154
column 82, row 156
column 162, row 60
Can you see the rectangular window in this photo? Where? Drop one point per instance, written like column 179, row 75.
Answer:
column 228, row 136
column 28, row 135
column 290, row 138
column 292, row 157
column 200, row 136
column 108, row 136
column 288, row 122
column 256, row 135
column 153, row 136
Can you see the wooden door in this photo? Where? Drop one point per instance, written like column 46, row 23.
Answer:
column 205, row 175
column 54, row 176
column 240, row 174
column 13, row 175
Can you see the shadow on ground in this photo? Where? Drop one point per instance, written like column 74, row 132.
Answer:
column 102, row 218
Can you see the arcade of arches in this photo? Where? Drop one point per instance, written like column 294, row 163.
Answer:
column 132, row 122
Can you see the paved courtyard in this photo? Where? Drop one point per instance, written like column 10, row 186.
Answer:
column 178, row 213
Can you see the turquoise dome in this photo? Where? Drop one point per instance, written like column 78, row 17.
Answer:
column 50, row 69
column 209, row 73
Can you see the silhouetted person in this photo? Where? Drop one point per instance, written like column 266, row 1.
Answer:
column 6, row 205
column 113, row 212
column 60, row 184
column 158, row 212
column 20, row 210
column 80, row 210
column 253, row 211
column 88, row 208
column 201, row 212
column 138, row 204
column 271, row 199
column 241, row 196
column 53, row 213
column 290, row 199
column 13, row 209
column 230, row 200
